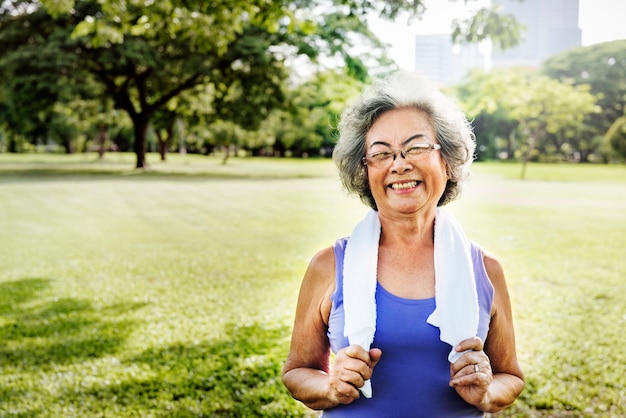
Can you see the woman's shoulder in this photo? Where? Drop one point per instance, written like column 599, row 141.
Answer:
column 495, row 273
column 493, row 267
column 319, row 280
column 322, row 264
column 327, row 260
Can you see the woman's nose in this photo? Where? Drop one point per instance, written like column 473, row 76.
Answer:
column 400, row 164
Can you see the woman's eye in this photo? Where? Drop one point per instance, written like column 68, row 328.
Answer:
column 381, row 155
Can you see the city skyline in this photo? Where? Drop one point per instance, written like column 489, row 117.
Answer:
column 599, row 20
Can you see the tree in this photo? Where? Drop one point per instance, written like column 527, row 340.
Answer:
column 488, row 23
column 30, row 87
column 144, row 54
column 44, row 84
column 616, row 135
column 530, row 105
column 601, row 66
column 542, row 105
column 550, row 107
column 163, row 126
column 308, row 126
column 480, row 96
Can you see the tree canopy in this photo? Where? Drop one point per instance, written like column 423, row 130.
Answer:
column 530, row 105
column 603, row 68
column 140, row 56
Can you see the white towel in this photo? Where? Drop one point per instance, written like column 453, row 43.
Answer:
column 359, row 285
column 456, row 300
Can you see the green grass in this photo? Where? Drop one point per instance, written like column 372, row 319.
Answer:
column 171, row 292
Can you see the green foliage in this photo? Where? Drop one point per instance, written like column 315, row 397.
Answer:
column 545, row 106
column 531, row 105
column 35, row 73
column 204, row 61
column 185, row 310
column 603, row 67
column 145, row 55
column 249, row 84
column 616, row 136
column 388, row 9
column 503, row 30
column 309, row 126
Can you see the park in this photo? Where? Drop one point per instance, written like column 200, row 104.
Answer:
column 165, row 180
column 171, row 292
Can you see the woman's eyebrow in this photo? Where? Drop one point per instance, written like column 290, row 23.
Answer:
column 413, row 137
column 406, row 141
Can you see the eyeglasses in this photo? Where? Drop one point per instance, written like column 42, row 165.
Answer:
column 380, row 159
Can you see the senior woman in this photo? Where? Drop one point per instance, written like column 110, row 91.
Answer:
column 418, row 317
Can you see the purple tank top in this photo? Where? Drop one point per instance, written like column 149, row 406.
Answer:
column 411, row 379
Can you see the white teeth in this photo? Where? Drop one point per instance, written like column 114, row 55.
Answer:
column 403, row 186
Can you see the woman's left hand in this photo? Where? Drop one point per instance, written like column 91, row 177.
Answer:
column 471, row 374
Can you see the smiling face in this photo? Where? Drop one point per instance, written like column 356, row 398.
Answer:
column 405, row 185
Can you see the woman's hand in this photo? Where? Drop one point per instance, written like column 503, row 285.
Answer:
column 353, row 366
column 471, row 374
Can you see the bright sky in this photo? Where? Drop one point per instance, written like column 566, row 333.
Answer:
column 600, row 21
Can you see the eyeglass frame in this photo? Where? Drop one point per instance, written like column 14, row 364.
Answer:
column 403, row 152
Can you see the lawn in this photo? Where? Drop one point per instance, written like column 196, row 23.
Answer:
column 171, row 292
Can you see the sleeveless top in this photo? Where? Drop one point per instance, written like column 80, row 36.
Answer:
column 412, row 377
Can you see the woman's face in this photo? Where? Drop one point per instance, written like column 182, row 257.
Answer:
column 405, row 185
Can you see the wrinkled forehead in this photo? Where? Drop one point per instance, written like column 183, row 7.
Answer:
column 398, row 127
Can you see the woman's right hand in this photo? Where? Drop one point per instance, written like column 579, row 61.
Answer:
column 353, row 366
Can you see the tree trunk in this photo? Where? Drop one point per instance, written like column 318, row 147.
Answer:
column 168, row 138
column 527, row 155
column 140, row 125
column 162, row 143
column 510, row 138
column 103, row 135
column 67, row 144
column 14, row 146
column 226, row 155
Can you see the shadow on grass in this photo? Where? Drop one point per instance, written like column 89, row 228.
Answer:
column 37, row 333
column 237, row 375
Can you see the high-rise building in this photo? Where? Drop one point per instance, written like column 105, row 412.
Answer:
column 551, row 28
column 437, row 58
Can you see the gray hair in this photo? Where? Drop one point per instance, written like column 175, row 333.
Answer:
column 403, row 90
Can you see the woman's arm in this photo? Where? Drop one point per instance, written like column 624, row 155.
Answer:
column 499, row 379
column 307, row 373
